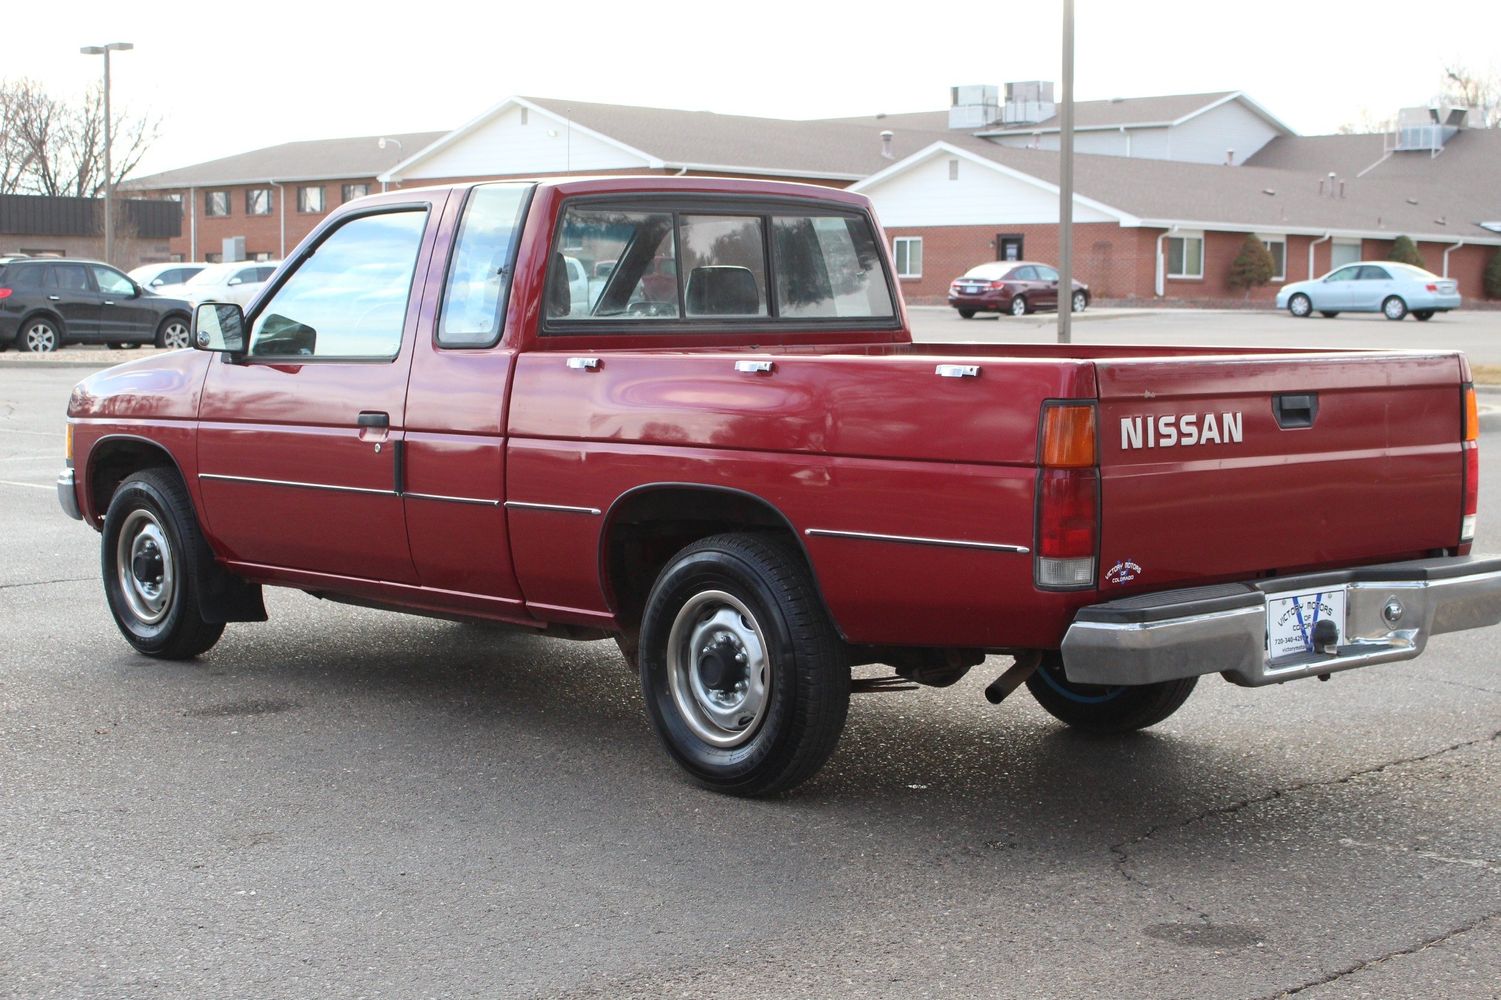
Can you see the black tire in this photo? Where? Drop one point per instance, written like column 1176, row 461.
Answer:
column 39, row 335
column 735, row 601
column 1100, row 709
column 1018, row 305
column 1080, row 302
column 154, row 599
column 122, row 345
column 1422, row 315
column 1300, row 306
column 966, row 314
column 1328, row 313
column 174, row 333
column 1394, row 308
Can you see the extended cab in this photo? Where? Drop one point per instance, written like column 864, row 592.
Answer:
column 730, row 456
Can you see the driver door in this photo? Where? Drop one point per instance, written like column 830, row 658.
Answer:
column 301, row 441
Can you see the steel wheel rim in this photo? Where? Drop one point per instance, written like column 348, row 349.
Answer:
column 718, row 669
column 176, row 335
column 1018, row 306
column 41, row 338
column 145, row 567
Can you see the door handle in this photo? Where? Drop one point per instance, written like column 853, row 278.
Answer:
column 374, row 418
column 109, row 302
column 1295, row 411
column 584, row 364
column 55, row 298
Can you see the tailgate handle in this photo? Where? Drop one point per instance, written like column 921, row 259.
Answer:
column 1297, row 411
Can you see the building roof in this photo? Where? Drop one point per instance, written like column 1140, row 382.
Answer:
column 317, row 159
column 1250, row 198
column 1142, row 112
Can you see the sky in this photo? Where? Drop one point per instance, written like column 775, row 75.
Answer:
column 228, row 78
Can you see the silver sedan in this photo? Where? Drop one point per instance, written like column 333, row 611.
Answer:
column 1372, row 286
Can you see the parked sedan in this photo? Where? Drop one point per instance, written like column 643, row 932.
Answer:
column 154, row 276
column 233, row 282
column 46, row 302
column 1014, row 286
column 1382, row 286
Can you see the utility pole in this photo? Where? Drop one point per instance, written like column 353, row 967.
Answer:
column 109, row 170
column 1066, row 183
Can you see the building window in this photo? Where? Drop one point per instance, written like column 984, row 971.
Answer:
column 261, row 255
column 213, row 258
column 907, row 250
column 353, row 191
column 258, row 201
column 1185, row 257
column 173, row 196
column 215, row 203
column 310, row 199
column 1343, row 252
column 1277, row 247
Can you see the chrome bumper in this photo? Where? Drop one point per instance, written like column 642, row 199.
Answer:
column 67, row 495
column 1223, row 629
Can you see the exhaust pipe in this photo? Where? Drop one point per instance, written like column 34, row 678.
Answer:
column 1025, row 666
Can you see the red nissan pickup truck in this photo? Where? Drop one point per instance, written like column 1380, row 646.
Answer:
column 727, row 452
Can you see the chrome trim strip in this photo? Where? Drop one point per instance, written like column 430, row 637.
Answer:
column 435, row 496
column 297, row 485
column 560, row 508
column 951, row 543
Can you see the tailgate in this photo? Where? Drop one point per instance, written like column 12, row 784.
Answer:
column 1232, row 467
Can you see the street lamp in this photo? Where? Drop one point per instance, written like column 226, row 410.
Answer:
column 382, row 145
column 109, row 178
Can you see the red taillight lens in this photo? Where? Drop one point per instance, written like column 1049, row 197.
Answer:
column 1068, row 497
column 1431, row 288
column 997, row 284
column 4, row 293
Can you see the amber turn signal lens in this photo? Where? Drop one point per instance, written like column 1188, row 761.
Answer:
column 1472, row 415
column 1068, row 437
column 68, row 443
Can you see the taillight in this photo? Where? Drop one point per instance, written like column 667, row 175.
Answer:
column 1068, row 497
column 997, row 284
column 5, row 293
column 1471, row 446
column 1431, row 288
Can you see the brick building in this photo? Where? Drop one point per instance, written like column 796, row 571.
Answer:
column 42, row 226
column 272, row 197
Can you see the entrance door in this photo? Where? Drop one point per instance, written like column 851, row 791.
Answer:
column 301, row 441
column 1008, row 246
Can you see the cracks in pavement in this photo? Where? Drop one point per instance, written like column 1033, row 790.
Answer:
column 1121, row 852
column 1368, row 963
column 45, row 583
column 1471, row 687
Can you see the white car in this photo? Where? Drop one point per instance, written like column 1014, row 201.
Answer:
column 155, row 276
column 1383, row 286
column 235, row 282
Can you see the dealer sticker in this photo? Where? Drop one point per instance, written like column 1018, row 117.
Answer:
column 1290, row 620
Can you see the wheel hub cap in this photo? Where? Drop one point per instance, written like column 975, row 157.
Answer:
column 718, row 669
column 145, row 571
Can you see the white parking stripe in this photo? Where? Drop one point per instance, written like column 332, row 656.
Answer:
column 35, row 486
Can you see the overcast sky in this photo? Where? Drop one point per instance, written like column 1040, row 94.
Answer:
column 227, row 78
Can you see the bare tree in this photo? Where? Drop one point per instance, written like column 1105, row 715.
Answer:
column 1469, row 89
column 1368, row 122
column 54, row 147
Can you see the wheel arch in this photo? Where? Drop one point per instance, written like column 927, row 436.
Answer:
column 646, row 525
column 42, row 312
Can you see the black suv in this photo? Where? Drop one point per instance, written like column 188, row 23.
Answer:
column 45, row 303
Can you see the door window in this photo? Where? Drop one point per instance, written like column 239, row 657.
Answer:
column 1028, row 273
column 67, row 278
column 1045, row 273
column 1371, row 272
column 1345, row 274
column 110, row 281
column 348, row 297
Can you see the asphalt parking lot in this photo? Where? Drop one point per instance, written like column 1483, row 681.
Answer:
column 345, row 803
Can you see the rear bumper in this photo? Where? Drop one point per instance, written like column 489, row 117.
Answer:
column 1391, row 610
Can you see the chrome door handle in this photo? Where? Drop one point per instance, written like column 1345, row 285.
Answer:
column 108, row 302
column 55, row 298
column 584, row 364
column 958, row 371
column 373, row 418
column 756, row 367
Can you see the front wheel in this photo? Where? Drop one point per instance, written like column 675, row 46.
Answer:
column 966, row 314
column 1081, row 302
column 1328, row 313
column 1394, row 308
column 1098, row 708
column 153, row 557
column 1019, row 306
column 1300, row 306
column 743, row 674
column 173, row 334
column 1422, row 315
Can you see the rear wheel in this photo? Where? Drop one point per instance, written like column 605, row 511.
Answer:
column 153, row 557
column 1422, row 315
column 966, row 314
column 1019, row 306
column 1300, row 305
column 1328, row 313
column 1081, row 302
column 39, row 335
column 1099, row 708
column 743, row 674
column 1394, row 308
column 173, row 333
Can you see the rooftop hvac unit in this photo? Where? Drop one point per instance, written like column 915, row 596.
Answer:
column 974, row 107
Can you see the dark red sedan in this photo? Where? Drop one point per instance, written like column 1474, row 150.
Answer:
column 1014, row 286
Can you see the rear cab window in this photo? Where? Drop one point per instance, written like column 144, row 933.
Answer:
column 701, row 265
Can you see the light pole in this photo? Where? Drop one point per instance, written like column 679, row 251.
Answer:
column 382, row 145
column 1066, row 184
column 109, row 176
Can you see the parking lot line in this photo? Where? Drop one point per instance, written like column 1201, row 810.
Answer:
column 35, row 486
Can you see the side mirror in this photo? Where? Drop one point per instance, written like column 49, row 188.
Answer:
column 219, row 326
